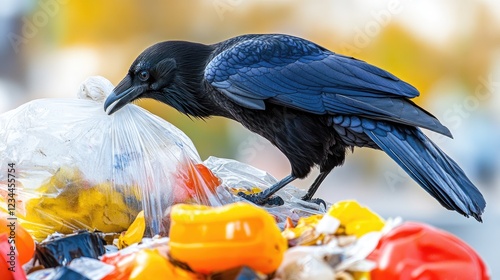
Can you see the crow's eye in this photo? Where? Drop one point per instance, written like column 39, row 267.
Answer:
column 143, row 75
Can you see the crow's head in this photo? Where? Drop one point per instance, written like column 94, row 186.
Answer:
column 170, row 72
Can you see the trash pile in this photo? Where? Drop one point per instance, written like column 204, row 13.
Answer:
column 243, row 241
column 84, row 195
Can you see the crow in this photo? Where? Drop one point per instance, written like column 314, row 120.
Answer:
column 313, row 104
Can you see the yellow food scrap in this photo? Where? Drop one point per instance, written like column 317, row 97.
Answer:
column 134, row 233
column 305, row 224
column 253, row 190
column 355, row 219
column 67, row 202
column 361, row 275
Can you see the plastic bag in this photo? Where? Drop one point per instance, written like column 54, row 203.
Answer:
column 61, row 250
column 236, row 176
column 75, row 167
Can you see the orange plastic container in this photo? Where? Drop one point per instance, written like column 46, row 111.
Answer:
column 24, row 243
column 214, row 239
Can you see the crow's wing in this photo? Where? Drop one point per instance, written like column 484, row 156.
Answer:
column 299, row 74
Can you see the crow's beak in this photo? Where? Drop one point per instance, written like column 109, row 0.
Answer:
column 122, row 94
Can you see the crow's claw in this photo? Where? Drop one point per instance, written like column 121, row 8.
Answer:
column 275, row 201
column 260, row 200
column 318, row 201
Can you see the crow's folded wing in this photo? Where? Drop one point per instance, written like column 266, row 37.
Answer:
column 299, row 74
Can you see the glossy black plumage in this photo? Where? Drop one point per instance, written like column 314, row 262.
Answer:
column 311, row 103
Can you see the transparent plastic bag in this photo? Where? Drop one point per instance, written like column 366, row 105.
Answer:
column 75, row 167
column 236, row 175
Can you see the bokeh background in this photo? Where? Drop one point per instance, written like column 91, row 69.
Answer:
column 449, row 50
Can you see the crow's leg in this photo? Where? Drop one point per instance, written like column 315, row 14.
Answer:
column 314, row 187
column 263, row 197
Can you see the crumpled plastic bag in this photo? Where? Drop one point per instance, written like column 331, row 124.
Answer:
column 75, row 167
column 61, row 250
column 236, row 176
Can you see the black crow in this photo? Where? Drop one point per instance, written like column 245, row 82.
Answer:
column 311, row 103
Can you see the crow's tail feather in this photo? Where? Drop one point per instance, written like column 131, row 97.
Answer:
column 437, row 173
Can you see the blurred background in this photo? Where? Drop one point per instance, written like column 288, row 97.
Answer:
column 448, row 50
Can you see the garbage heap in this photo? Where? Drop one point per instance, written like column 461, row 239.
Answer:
column 85, row 195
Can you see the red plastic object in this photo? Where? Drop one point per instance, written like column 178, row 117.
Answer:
column 194, row 181
column 124, row 264
column 415, row 251
column 10, row 267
